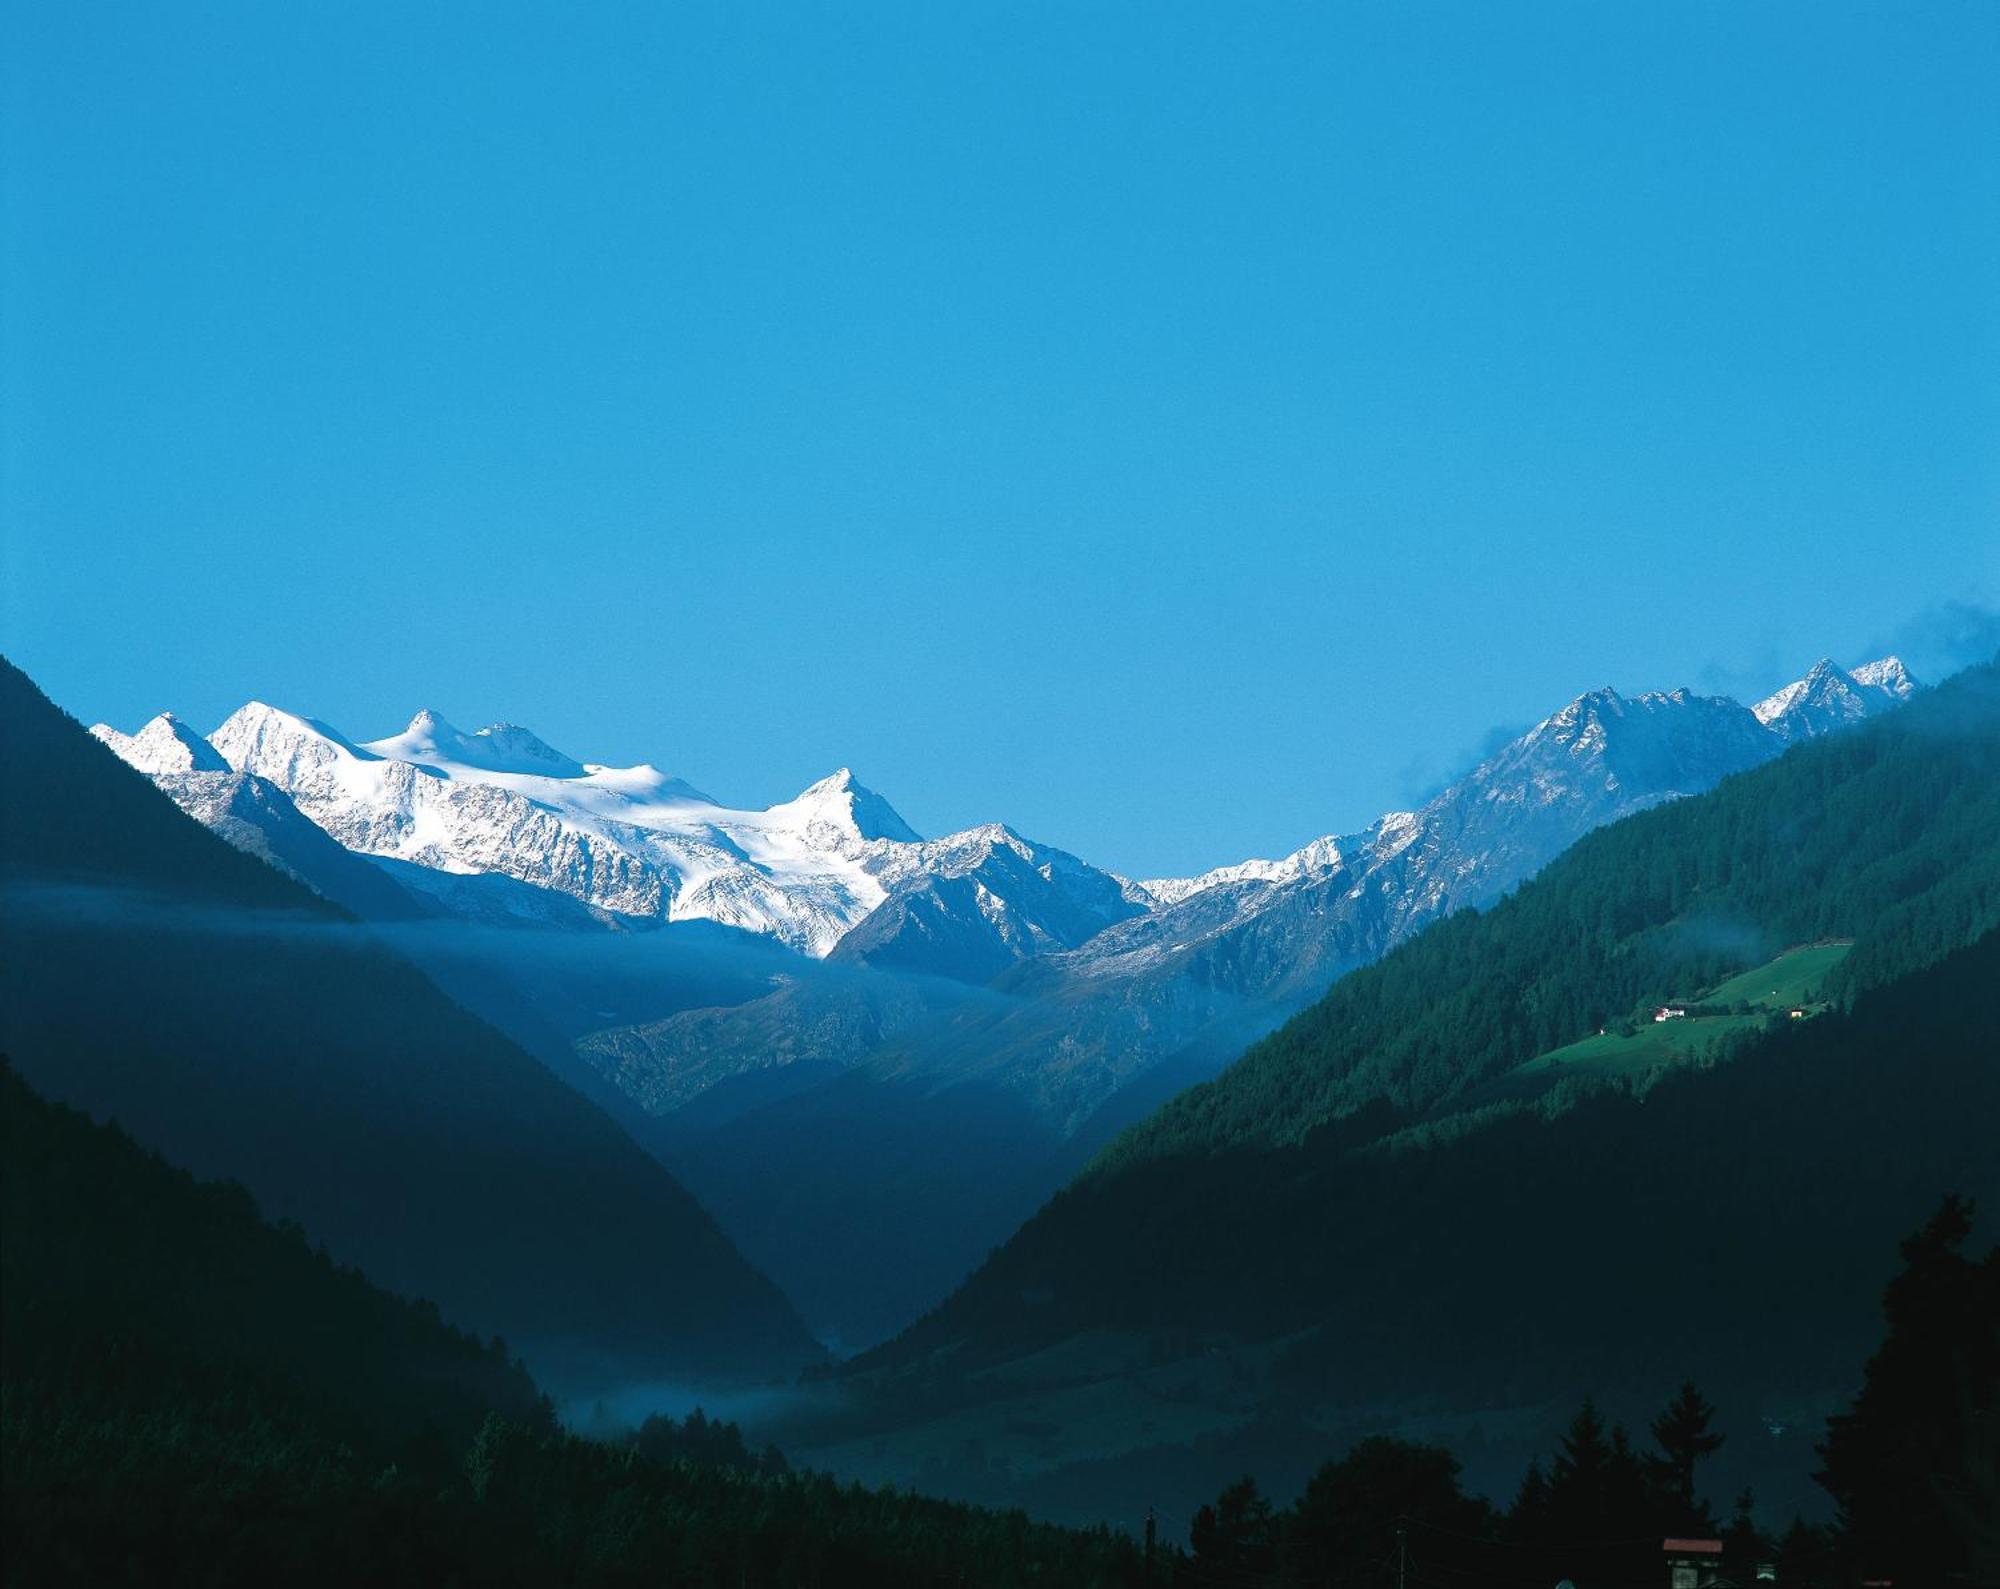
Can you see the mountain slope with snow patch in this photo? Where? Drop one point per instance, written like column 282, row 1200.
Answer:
column 497, row 825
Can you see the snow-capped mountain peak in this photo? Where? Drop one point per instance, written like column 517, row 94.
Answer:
column 1823, row 679
column 445, row 809
column 498, row 747
column 464, row 820
column 1321, row 855
column 164, row 745
column 1830, row 697
column 842, row 804
column 427, row 738
column 1887, row 673
column 257, row 730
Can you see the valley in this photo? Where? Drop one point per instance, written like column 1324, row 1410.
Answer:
column 931, row 1035
column 1289, row 1157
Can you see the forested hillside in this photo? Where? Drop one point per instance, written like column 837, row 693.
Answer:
column 189, row 1395
column 1813, row 1131
column 129, row 1285
column 237, row 1023
column 1156, row 1331
column 1886, row 834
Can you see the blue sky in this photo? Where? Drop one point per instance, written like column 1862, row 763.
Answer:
column 1176, row 430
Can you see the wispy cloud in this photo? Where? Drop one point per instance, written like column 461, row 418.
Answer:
column 1944, row 638
column 1430, row 773
column 1933, row 644
column 1750, row 677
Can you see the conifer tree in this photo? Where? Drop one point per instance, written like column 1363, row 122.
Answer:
column 1901, row 1458
column 1684, row 1435
column 1743, row 1545
column 1233, row 1541
column 1528, row 1521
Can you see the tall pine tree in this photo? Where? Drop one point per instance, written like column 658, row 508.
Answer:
column 1904, row 1461
column 1685, row 1435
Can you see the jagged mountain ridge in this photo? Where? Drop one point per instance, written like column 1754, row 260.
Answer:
column 1828, row 698
column 1608, row 748
column 629, row 841
column 1602, row 757
column 257, row 817
column 631, row 846
column 436, row 806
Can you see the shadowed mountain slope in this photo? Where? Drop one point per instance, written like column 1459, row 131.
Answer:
column 121, row 1269
column 1158, row 1332
column 191, row 1396
column 234, row 1021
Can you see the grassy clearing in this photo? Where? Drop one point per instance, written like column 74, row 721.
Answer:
column 1791, row 981
column 1655, row 1043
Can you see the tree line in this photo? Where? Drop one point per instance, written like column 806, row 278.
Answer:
column 1913, row 1467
